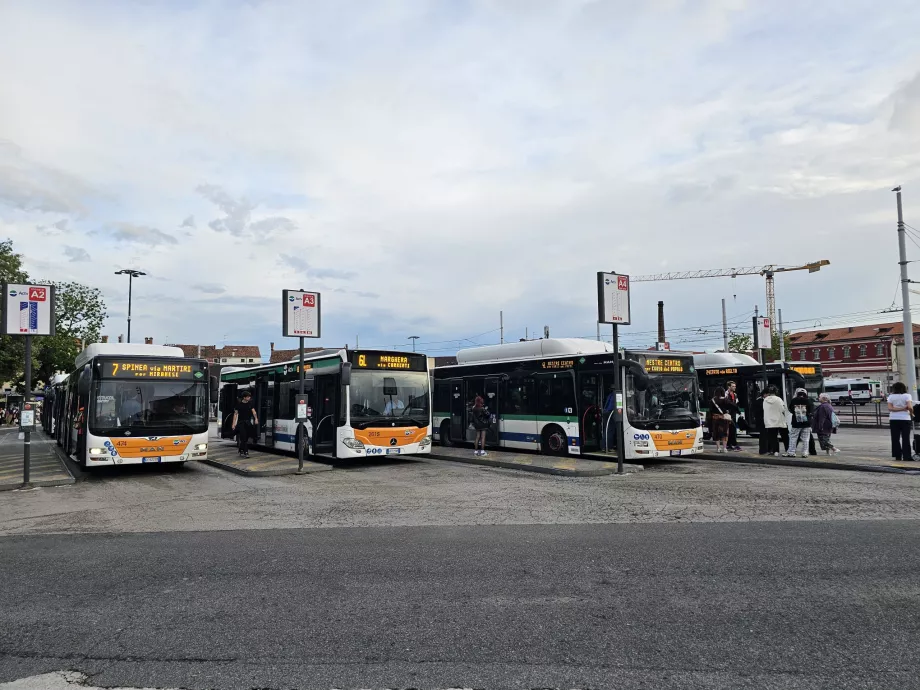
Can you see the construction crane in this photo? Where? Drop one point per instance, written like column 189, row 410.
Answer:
column 767, row 271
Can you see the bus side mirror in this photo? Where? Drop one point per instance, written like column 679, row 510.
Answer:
column 346, row 373
column 215, row 386
column 308, row 385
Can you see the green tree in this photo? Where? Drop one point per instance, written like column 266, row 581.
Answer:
column 79, row 315
column 772, row 355
column 740, row 342
column 12, row 348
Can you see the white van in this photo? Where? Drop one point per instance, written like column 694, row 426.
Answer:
column 850, row 391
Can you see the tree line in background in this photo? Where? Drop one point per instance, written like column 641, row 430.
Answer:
column 744, row 344
column 79, row 315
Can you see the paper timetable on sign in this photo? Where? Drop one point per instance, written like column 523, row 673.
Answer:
column 304, row 320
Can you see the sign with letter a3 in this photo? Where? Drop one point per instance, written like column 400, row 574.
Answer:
column 301, row 314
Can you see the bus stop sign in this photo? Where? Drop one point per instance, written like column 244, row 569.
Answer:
column 27, row 417
column 303, row 411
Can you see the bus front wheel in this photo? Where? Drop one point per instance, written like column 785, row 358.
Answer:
column 555, row 442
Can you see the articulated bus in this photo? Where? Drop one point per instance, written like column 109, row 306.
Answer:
column 715, row 370
column 360, row 403
column 128, row 404
column 549, row 395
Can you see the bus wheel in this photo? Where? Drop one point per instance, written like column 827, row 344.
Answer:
column 445, row 433
column 555, row 441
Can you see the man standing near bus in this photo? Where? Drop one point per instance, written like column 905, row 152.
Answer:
column 731, row 402
column 244, row 417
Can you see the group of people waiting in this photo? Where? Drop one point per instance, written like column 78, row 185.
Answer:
column 774, row 422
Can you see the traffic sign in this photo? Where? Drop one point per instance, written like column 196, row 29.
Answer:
column 301, row 314
column 613, row 299
column 27, row 309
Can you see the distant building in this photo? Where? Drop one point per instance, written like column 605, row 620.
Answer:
column 276, row 356
column 875, row 351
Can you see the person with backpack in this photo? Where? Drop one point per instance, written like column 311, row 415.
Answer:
column 802, row 410
column 719, row 420
column 900, row 421
column 774, row 419
column 824, row 423
column 481, row 420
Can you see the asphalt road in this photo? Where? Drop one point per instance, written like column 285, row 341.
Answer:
column 728, row 605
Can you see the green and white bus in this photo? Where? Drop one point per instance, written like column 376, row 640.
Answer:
column 554, row 396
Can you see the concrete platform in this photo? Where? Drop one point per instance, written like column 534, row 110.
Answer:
column 47, row 466
column 224, row 454
column 531, row 462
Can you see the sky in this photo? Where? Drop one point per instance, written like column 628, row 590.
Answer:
column 426, row 165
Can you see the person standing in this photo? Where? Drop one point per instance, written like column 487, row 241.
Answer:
column 802, row 410
column 774, row 419
column 823, row 424
column 245, row 420
column 719, row 420
column 481, row 422
column 757, row 421
column 900, row 421
column 731, row 402
column 609, row 405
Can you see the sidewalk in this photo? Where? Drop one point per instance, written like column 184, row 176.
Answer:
column 566, row 466
column 46, row 467
column 224, row 454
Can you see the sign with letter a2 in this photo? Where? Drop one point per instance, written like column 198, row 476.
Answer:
column 28, row 309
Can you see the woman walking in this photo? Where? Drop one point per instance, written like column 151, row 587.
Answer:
column 719, row 420
column 901, row 421
column 481, row 423
column 774, row 419
column 823, row 424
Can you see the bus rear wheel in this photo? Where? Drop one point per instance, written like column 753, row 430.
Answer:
column 444, row 435
column 555, row 442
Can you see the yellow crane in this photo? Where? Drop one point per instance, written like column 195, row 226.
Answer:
column 767, row 271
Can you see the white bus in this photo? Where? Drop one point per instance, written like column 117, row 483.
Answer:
column 550, row 395
column 132, row 404
column 852, row 391
column 360, row 403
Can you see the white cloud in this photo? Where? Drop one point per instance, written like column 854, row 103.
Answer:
column 458, row 159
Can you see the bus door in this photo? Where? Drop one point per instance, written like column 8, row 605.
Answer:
column 323, row 419
column 590, row 410
column 226, row 407
column 492, row 402
column 457, row 410
column 264, row 408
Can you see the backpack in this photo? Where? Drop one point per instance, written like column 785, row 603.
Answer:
column 835, row 420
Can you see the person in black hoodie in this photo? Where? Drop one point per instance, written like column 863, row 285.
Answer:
column 757, row 421
column 802, row 410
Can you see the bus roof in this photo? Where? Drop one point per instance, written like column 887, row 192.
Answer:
column 125, row 349
column 722, row 359
column 532, row 349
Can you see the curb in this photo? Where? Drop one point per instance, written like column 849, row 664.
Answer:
column 813, row 464
column 280, row 472
column 537, row 469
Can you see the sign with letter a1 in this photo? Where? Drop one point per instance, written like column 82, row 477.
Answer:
column 28, row 309
column 613, row 298
column 301, row 314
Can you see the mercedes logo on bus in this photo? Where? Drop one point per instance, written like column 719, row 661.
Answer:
column 392, row 441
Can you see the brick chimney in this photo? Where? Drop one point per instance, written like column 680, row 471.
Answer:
column 121, row 338
column 272, row 346
column 105, row 338
column 148, row 341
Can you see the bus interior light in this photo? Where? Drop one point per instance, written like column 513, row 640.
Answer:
column 352, row 443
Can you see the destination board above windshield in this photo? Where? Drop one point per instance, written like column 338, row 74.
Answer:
column 383, row 360
column 805, row 371
column 150, row 369
column 667, row 365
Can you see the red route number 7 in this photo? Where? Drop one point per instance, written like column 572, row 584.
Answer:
column 622, row 283
column 309, row 300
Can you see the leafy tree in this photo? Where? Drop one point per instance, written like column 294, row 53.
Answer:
column 772, row 355
column 79, row 315
column 12, row 348
column 740, row 342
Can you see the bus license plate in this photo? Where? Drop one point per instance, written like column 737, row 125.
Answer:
column 392, row 451
column 675, row 452
column 156, row 459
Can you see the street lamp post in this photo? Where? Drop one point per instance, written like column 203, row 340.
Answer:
column 132, row 274
column 413, row 338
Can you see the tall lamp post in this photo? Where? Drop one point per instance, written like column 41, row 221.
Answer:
column 413, row 338
column 132, row 274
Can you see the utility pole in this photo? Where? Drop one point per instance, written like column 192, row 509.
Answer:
column 501, row 327
column 905, row 303
column 724, row 328
column 782, row 340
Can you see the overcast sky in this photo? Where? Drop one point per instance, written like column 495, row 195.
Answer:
column 428, row 164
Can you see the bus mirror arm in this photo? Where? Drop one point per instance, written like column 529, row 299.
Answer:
column 346, row 373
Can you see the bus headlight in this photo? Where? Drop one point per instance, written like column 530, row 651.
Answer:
column 201, row 446
column 425, row 442
column 353, row 443
column 96, row 451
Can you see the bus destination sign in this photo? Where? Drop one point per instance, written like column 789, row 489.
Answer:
column 665, row 365
column 150, row 369
column 805, row 371
column 730, row 371
column 558, row 364
column 382, row 360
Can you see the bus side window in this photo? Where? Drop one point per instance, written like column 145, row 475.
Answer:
column 442, row 396
column 285, row 397
column 556, row 394
column 517, row 397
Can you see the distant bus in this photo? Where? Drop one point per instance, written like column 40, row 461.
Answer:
column 549, row 395
column 360, row 403
column 132, row 404
column 716, row 370
column 852, row 391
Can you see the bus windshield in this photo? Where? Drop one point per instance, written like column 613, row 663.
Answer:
column 669, row 402
column 388, row 397
column 159, row 407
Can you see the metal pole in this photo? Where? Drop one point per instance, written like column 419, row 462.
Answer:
column 905, row 303
column 782, row 355
column 130, row 280
column 598, row 330
column 301, row 430
column 27, row 435
column 724, row 328
column 617, row 392
column 501, row 327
